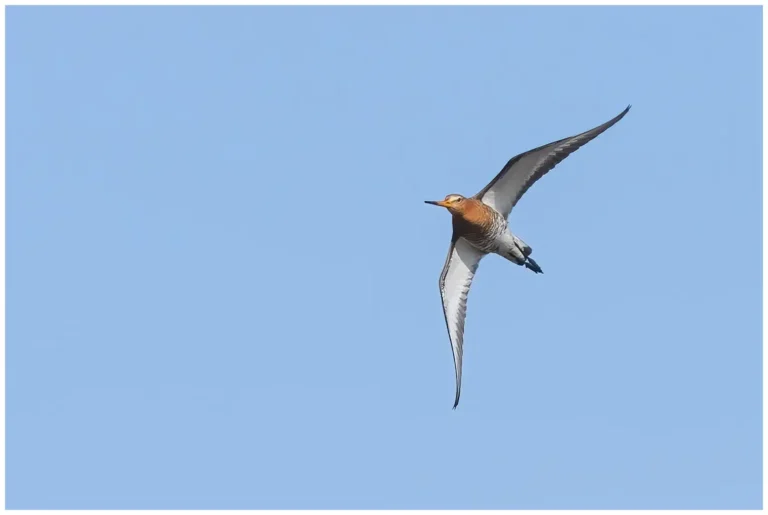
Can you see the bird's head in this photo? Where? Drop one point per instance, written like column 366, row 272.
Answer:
column 452, row 202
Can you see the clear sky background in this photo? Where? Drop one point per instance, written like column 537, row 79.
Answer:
column 222, row 277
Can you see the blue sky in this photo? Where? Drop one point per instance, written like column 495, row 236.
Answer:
column 222, row 278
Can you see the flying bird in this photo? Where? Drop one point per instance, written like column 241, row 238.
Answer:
column 480, row 227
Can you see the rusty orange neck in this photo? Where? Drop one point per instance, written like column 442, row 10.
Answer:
column 472, row 217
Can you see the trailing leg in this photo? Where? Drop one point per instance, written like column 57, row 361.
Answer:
column 532, row 265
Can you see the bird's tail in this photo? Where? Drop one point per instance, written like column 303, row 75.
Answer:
column 524, row 247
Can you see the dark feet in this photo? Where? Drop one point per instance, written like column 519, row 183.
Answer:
column 531, row 264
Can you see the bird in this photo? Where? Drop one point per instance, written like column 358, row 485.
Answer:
column 480, row 227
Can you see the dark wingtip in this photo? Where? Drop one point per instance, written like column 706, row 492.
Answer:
column 614, row 120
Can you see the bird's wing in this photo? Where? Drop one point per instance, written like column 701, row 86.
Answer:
column 455, row 280
column 523, row 170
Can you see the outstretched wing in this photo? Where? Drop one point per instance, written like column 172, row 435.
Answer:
column 455, row 280
column 523, row 170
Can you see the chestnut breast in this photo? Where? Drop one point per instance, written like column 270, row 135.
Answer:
column 473, row 220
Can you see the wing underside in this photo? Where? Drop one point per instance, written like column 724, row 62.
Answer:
column 523, row 170
column 455, row 281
